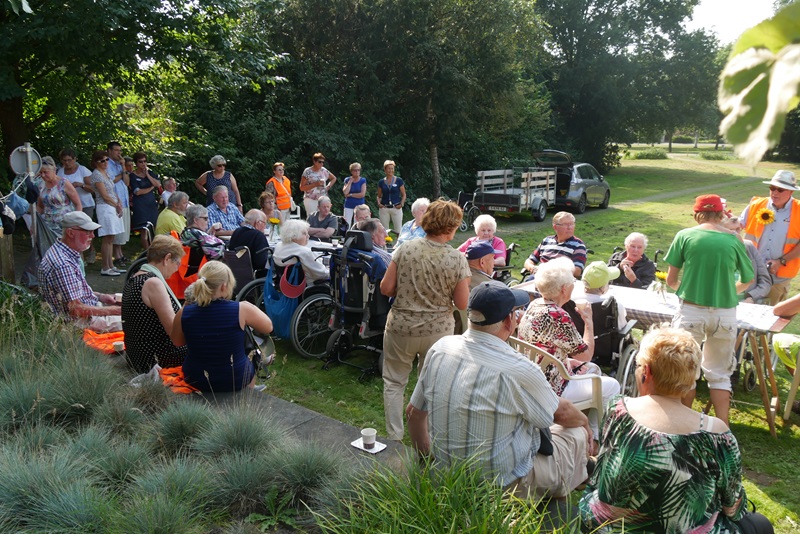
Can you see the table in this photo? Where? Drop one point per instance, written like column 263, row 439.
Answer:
column 755, row 321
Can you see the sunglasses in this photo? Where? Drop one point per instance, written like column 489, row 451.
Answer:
column 279, row 169
column 104, row 160
column 778, row 189
column 320, row 160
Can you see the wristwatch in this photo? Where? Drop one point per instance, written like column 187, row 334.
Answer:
column 782, row 260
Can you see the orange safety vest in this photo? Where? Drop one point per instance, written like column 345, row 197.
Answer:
column 283, row 193
column 753, row 230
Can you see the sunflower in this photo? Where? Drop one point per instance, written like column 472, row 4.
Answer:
column 389, row 239
column 765, row 216
column 274, row 220
column 661, row 275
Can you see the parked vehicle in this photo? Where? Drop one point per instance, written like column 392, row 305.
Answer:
column 578, row 185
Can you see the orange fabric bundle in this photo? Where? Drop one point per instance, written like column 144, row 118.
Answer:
column 102, row 342
column 173, row 378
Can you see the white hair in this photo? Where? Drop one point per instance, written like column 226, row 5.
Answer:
column 552, row 276
column 293, row 229
column 216, row 160
column 484, row 220
column 418, row 204
column 636, row 235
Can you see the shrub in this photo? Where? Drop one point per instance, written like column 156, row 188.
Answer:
column 306, row 468
column 178, row 424
column 120, row 415
column 650, row 153
column 77, row 507
column 183, row 479
column 160, row 514
column 245, row 428
column 717, row 156
column 243, row 480
column 683, row 139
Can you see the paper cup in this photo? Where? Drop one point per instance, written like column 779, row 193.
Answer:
column 117, row 297
column 119, row 346
column 368, row 436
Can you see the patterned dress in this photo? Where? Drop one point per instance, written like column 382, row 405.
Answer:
column 649, row 481
column 550, row 328
column 56, row 204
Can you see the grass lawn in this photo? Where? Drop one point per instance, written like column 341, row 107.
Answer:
column 650, row 196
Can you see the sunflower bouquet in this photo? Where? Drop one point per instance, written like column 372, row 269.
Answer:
column 659, row 285
column 274, row 224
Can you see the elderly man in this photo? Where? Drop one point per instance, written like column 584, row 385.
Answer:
column 223, row 212
column 480, row 257
column 361, row 213
column 322, row 223
column 773, row 224
column 477, row 398
column 63, row 283
column 251, row 235
column 378, row 233
column 563, row 243
column 174, row 217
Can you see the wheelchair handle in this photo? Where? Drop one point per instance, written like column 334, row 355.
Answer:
column 366, row 258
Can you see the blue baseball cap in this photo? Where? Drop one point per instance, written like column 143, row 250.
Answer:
column 495, row 300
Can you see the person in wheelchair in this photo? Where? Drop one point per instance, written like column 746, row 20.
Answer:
column 639, row 271
column 485, row 228
column 294, row 244
column 251, row 235
column 198, row 236
column 375, row 228
column 596, row 279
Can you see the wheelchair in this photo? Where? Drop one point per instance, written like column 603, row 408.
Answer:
column 503, row 274
column 361, row 310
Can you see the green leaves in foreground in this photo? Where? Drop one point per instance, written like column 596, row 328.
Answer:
column 760, row 83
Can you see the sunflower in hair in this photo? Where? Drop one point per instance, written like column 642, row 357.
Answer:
column 765, row 216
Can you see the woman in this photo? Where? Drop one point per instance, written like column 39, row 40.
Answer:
column 266, row 202
column 429, row 279
column 81, row 179
column 548, row 326
column 212, row 327
column 662, row 466
column 197, row 234
column 149, row 307
column 413, row 229
column 294, row 242
column 485, row 227
column 216, row 177
column 355, row 189
column 281, row 188
column 637, row 269
column 391, row 198
column 315, row 182
column 57, row 196
column 108, row 208
column 143, row 183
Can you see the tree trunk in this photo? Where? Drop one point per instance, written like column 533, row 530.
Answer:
column 12, row 125
column 433, row 151
column 669, row 139
column 696, row 138
column 716, row 145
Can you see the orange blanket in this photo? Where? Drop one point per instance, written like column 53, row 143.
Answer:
column 102, row 342
column 173, row 379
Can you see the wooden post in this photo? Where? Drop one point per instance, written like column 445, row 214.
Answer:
column 7, row 258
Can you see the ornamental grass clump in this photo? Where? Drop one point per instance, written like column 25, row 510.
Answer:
column 184, row 479
column 160, row 514
column 21, row 401
column 36, row 438
column 117, row 466
column 77, row 507
column 243, row 480
column 121, row 415
column 152, row 398
column 306, row 468
column 179, row 424
column 246, row 428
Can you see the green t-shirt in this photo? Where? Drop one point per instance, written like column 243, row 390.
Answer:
column 709, row 260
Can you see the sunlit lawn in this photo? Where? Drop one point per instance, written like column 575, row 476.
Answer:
column 772, row 478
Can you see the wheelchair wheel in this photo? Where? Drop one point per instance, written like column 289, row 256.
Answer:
column 628, row 382
column 511, row 282
column 134, row 267
column 339, row 344
column 310, row 331
column 253, row 292
column 750, row 379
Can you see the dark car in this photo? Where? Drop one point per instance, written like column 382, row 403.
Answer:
column 577, row 184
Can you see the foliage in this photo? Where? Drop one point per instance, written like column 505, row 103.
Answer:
column 178, row 425
column 245, row 428
column 719, row 156
column 650, row 153
column 760, row 84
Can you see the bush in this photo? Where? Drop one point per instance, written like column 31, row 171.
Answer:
column 305, row 469
column 683, row 139
column 181, row 479
column 717, row 156
column 650, row 153
column 245, row 428
column 178, row 425
column 243, row 480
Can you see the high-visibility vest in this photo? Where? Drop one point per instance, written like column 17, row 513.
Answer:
column 753, row 230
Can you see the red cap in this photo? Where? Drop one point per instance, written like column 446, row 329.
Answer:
column 707, row 203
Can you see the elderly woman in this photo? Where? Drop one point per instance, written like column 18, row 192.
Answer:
column 391, row 198
column 322, row 223
column 638, row 270
column 149, row 307
column 548, row 326
column 281, row 188
column 428, row 279
column 662, row 466
column 315, row 182
column 197, row 234
column 217, row 176
column 212, row 327
column 355, row 189
column 144, row 185
column 81, row 179
column 413, row 229
column 485, row 228
column 57, row 196
column 108, row 209
column 294, row 242
column 266, row 201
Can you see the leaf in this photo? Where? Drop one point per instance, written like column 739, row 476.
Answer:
column 774, row 33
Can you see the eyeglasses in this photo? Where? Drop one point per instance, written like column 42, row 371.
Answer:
column 206, row 217
column 320, row 160
column 777, row 189
column 278, row 169
column 220, row 165
column 104, row 160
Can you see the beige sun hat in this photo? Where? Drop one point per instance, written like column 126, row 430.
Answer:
column 784, row 180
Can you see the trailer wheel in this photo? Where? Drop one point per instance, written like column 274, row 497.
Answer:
column 539, row 210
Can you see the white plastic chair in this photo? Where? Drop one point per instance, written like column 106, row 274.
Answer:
column 595, row 402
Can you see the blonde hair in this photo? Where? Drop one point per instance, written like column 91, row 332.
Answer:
column 355, row 165
column 211, row 277
column 561, row 216
column 387, row 163
column 163, row 245
column 674, row 359
column 553, row 275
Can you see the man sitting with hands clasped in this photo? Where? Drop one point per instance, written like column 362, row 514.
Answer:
column 479, row 398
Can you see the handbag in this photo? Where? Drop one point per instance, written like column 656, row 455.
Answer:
column 278, row 307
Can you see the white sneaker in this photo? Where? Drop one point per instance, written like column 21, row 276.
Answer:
column 109, row 272
column 260, row 387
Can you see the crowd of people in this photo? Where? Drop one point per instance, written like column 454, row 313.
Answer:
column 476, row 397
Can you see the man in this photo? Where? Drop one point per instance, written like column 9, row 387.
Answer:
column 323, row 224
column 378, row 233
column 361, row 213
column 223, row 212
column 563, row 243
column 251, row 235
column 480, row 257
column 63, row 283
column 477, row 398
column 121, row 178
column 777, row 240
column 174, row 217
column 709, row 256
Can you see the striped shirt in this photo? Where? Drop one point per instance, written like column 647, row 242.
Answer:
column 229, row 221
column 549, row 249
column 484, row 400
column 61, row 279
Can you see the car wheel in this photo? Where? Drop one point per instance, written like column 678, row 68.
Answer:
column 540, row 211
column 606, row 199
column 581, row 206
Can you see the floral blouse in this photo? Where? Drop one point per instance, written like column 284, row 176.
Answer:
column 213, row 247
column 550, row 328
